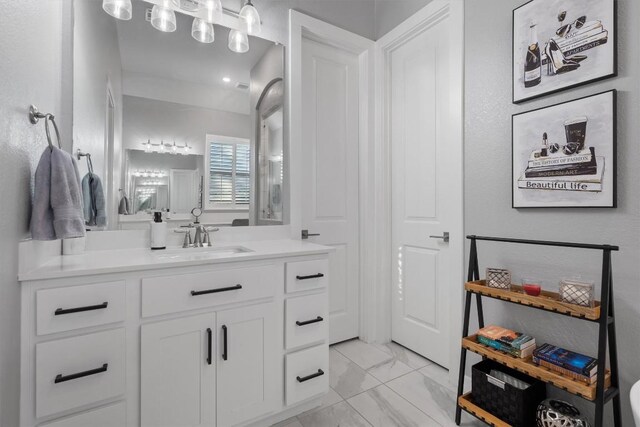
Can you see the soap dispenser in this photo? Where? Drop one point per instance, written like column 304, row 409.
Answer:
column 158, row 232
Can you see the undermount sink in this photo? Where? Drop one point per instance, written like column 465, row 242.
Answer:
column 200, row 253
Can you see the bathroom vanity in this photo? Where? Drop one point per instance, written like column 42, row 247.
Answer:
column 228, row 335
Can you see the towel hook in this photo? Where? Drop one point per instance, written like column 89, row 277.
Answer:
column 34, row 118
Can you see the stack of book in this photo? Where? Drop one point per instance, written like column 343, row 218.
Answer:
column 590, row 35
column 514, row 343
column 574, row 365
column 577, row 172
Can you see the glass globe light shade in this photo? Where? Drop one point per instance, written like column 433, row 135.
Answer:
column 202, row 31
column 238, row 41
column 120, row 9
column 163, row 19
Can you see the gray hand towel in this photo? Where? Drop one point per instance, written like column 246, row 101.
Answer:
column 124, row 206
column 57, row 202
column 94, row 202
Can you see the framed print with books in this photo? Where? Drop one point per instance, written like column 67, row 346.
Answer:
column 560, row 44
column 564, row 155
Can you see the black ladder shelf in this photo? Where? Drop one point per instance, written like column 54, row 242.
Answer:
column 607, row 332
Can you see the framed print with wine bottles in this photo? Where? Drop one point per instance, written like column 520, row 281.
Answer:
column 564, row 155
column 560, row 44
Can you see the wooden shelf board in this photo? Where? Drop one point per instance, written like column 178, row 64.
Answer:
column 466, row 403
column 540, row 372
column 549, row 301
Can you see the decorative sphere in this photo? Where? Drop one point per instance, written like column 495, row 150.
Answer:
column 554, row 148
column 558, row 413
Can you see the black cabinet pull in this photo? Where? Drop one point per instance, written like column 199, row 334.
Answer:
column 308, row 322
column 210, row 345
column 310, row 377
column 216, row 290
column 313, row 276
column 60, row 378
column 224, row 342
column 60, row 311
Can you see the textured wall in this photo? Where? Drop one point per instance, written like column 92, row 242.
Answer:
column 488, row 111
column 31, row 69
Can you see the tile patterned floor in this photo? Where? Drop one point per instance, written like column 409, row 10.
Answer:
column 383, row 386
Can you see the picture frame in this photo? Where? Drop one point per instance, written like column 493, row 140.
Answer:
column 564, row 155
column 561, row 44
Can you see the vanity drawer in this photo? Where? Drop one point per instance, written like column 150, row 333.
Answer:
column 305, row 275
column 307, row 374
column 75, row 307
column 78, row 371
column 306, row 320
column 170, row 294
column 107, row 416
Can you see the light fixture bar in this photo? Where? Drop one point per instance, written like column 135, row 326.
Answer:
column 229, row 18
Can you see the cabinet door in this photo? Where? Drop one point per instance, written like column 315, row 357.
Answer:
column 249, row 382
column 178, row 373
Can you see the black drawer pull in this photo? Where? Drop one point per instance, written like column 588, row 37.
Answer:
column 224, row 342
column 313, row 276
column 216, row 290
column 60, row 311
column 209, row 337
column 308, row 322
column 60, row 378
column 310, row 377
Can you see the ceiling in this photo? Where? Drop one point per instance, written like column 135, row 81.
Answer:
column 177, row 56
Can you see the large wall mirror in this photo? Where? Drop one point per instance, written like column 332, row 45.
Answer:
column 172, row 123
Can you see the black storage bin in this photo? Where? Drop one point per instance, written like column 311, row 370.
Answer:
column 511, row 404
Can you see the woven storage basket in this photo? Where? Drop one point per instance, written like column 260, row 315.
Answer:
column 512, row 405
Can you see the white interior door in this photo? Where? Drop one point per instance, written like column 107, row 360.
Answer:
column 330, row 138
column 425, row 169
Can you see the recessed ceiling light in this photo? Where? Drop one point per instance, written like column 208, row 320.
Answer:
column 226, row 79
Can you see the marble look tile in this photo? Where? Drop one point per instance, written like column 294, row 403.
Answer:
column 441, row 376
column 339, row 415
column 404, row 355
column 390, row 370
column 347, row 378
column 330, row 399
column 384, row 408
column 290, row 422
column 428, row 395
column 364, row 355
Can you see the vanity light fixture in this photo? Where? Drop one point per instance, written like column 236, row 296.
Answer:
column 252, row 18
column 238, row 41
column 120, row 9
column 163, row 19
column 226, row 79
column 163, row 148
column 202, row 31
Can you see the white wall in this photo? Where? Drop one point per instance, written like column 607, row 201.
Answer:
column 158, row 120
column 488, row 111
column 31, row 39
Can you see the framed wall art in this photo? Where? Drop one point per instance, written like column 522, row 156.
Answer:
column 560, row 44
column 564, row 155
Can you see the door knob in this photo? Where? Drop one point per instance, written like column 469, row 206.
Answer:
column 306, row 234
column 444, row 237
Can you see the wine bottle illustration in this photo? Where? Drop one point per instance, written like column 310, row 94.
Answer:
column 533, row 61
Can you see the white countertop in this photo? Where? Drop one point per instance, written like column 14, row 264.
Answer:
column 139, row 259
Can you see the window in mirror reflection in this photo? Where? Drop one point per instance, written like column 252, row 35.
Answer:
column 228, row 173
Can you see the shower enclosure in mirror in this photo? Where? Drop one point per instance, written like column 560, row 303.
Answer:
column 175, row 121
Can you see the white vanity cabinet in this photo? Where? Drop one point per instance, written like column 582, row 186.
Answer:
column 178, row 376
column 219, row 344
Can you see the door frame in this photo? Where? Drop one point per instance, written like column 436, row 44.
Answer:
column 428, row 16
column 303, row 26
